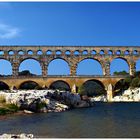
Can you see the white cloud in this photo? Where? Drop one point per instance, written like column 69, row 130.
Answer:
column 7, row 31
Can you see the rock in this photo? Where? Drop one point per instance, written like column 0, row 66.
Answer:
column 28, row 112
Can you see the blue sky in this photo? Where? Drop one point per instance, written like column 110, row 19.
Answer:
column 70, row 23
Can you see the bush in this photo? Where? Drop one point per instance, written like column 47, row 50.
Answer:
column 135, row 82
column 12, row 107
column 2, row 99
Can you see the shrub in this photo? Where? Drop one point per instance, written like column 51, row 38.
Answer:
column 135, row 82
column 2, row 99
column 12, row 107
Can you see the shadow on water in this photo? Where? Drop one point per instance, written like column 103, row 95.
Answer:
column 104, row 120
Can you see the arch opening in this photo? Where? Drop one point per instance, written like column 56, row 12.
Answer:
column 110, row 52
column 67, row 52
column 126, row 52
column 29, row 85
column 1, row 52
column 11, row 52
column 4, row 86
column 93, row 52
column 92, row 88
column 102, row 52
column 76, row 53
column 30, row 52
column 30, row 67
column 121, row 86
column 119, row 66
column 89, row 66
column 60, row 85
column 58, row 52
column 58, row 66
column 5, row 68
column 49, row 52
column 85, row 52
column 39, row 52
column 138, row 65
column 20, row 52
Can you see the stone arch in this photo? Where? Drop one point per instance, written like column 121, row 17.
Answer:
column 110, row 52
column 39, row 52
column 120, row 86
column 21, row 52
column 102, row 52
column 92, row 87
column 138, row 64
column 89, row 61
column 48, row 52
column 31, row 67
column 120, row 66
column 76, row 52
column 30, row 52
column 61, row 85
column 4, row 86
column 67, row 52
column 58, row 52
column 11, row 52
column 2, row 52
column 118, row 52
column 29, row 85
column 57, row 63
column 5, row 67
column 135, row 52
column 127, row 52
column 85, row 52
column 93, row 52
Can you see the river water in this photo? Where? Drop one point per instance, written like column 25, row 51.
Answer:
column 104, row 120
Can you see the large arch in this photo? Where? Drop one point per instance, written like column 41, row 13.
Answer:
column 61, row 85
column 121, row 85
column 5, row 67
column 92, row 88
column 3, row 86
column 89, row 66
column 29, row 85
column 30, row 66
column 138, row 65
column 58, row 66
column 119, row 66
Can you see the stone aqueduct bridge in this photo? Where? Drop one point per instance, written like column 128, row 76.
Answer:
column 72, row 55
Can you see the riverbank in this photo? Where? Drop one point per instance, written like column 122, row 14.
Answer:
column 36, row 101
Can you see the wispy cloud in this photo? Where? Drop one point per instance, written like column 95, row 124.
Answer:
column 7, row 31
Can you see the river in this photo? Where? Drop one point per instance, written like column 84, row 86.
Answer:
column 104, row 120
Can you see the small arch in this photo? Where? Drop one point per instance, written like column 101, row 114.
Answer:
column 3, row 86
column 110, row 52
column 49, row 52
column 102, row 52
column 67, row 52
column 118, row 52
column 92, row 88
column 60, row 85
column 11, row 52
column 29, row 85
column 21, row 52
column 93, row 52
column 126, row 52
column 1, row 52
column 39, row 52
column 30, row 52
column 85, row 52
column 58, row 52
column 76, row 53
column 135, row 52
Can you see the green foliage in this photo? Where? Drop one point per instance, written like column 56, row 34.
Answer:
column 40, row 105
column 135, row 82
column 12, row 107
column 120, row 73
column 8, row 108
column 2, row 99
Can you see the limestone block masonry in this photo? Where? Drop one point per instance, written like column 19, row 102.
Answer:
column 72, row 55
